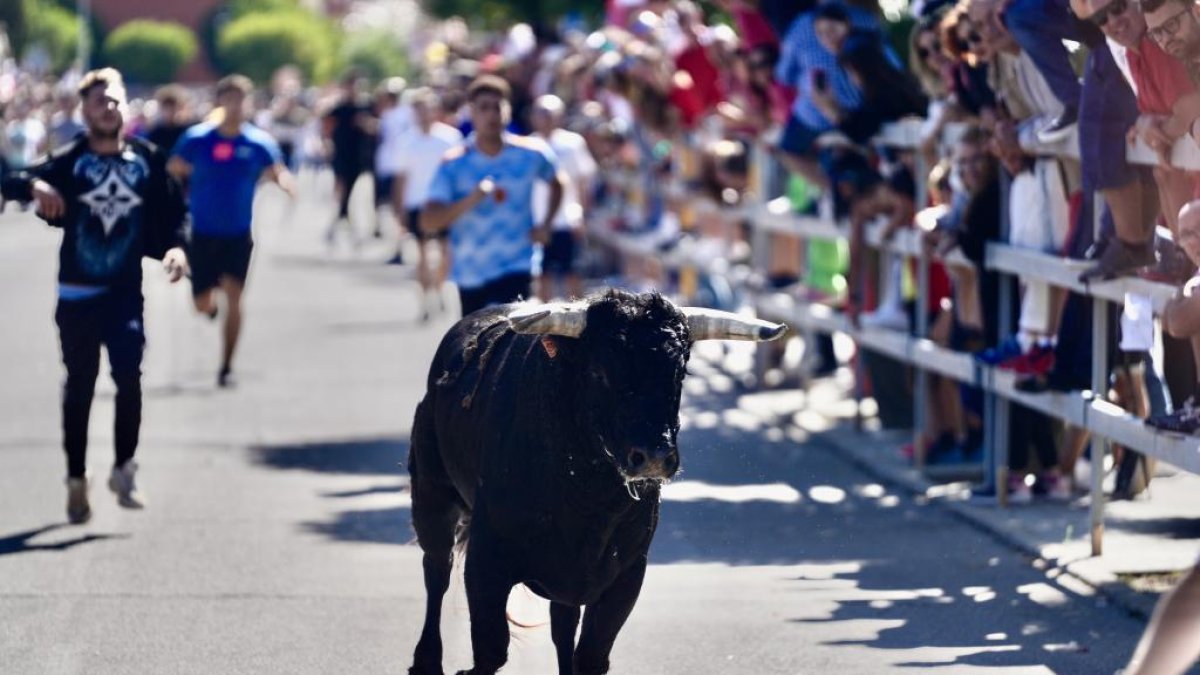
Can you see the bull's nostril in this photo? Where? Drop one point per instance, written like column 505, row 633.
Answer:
column 672, row 464
column 636, row 459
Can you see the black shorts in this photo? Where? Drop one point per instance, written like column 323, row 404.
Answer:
column 560, row 254
column 383, row 189
column 414, row 226
column 214, row 257
column 508, row 288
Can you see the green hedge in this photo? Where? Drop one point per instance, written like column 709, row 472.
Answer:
column 54, row 29
column 150, row 52
column 259, row 43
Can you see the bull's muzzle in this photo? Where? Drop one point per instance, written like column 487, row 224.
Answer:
column 659, row 463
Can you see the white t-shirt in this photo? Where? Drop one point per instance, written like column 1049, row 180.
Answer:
column 396, row 125
column 25, row 139
column 419, row 159
column 576, row 162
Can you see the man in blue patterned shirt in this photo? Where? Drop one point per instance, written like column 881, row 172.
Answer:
column 808, row 66
column 483, row 194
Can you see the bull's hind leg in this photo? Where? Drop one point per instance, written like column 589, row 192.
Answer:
column 604, row 618
column 435, row 516
column 488, row 586
column 564, row 619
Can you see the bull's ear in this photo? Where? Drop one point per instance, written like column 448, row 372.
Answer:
column 550, row 346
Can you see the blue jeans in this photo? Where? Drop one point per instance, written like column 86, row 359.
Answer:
column 1040, row 26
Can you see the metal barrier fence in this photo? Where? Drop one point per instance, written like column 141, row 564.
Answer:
column 1089, row 410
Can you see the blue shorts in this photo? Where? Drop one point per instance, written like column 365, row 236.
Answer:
column 798, row 138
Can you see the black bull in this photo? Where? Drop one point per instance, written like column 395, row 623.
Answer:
column 546, row 431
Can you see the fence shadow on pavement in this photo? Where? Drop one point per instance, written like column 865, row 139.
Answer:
column 387, row 520
column 892, row 570
column 21, row 542
column 384, row 456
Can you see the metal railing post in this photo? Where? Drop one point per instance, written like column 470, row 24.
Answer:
column 1001, row 406
column 1099, row 391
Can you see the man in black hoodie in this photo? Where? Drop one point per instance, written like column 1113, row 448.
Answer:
column 115, row 203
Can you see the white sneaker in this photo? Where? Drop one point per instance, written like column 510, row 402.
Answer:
column 1058, row 488
column 1019, row 492
column 79, row 511
column 122, row 482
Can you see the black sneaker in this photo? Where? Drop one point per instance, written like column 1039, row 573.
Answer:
column 1058, row 128
column 1118, row 258
column 225, row 378
column 1185, row 421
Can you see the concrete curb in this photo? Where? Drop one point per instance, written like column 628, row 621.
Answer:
column 1104, row 583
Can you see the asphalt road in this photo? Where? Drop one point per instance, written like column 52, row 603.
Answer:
column 277, row 539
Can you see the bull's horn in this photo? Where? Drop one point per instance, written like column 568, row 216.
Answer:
column 565, row 319
column 712, row 324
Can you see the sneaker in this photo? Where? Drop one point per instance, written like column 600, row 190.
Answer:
column 79, row 511
column 1186, row 420
column 1174, row 266
column 225, row 379
column 1018, row 491
column 1119, row 258
column 1058, row 128
column 1036, row 361
column 1057, row 488
column 1007, row 349
column 122, row 482
column 396, row 260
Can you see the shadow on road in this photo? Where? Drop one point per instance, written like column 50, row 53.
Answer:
column 384, row 456
column 373, row 526
column 892, row 571
column 20, row 542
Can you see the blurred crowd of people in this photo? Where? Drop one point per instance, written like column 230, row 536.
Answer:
column 664, row 105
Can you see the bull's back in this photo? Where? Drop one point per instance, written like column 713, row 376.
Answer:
column 469, row 402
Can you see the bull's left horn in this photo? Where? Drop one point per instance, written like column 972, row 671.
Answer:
column 712, row 324
column 565, row 319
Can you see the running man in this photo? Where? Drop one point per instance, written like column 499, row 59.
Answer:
column 116, row 203
column 483, row 194
column 223, row 162
column 351, row 129
column 416, row 163
column 560, row 258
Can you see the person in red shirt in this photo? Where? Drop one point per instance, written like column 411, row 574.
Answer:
column 1166, row 97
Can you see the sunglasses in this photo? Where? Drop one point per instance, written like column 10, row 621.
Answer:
column 1116, row 7
column 974, row 38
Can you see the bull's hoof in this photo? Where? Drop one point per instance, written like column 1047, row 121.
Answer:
column 422, row 670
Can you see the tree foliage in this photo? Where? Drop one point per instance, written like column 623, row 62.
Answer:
column 378, row 54
column 150, row 52
column 52, row 28
column 499, row 13
column 259, row 43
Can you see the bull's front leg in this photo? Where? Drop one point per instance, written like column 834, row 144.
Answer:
column 488, row 586
column 564, row 620
column 604, row 619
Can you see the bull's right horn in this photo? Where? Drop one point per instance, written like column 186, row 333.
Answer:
column 712, row 324
column 557, row 318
